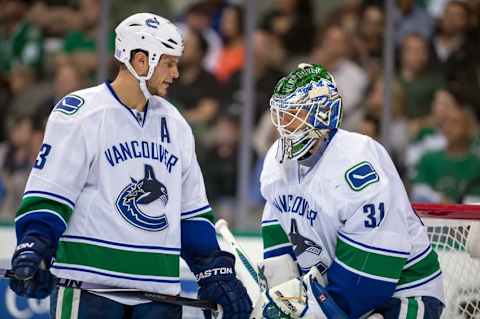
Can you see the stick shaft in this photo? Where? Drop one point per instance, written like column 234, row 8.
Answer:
column 126, row 292
column 245, row 268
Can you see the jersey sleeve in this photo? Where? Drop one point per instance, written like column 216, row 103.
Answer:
column 194, row 196
column 198, row 231
column 57, row 177
column 372, row 246
column 275, row 239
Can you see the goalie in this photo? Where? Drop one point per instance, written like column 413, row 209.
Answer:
column 337, row 208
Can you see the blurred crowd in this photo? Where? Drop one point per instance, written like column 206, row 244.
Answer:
column 48, row 49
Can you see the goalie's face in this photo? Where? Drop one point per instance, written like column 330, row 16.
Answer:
column 297, row 135
column 289, row 121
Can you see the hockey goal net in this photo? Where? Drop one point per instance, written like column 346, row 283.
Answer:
column 454, row 231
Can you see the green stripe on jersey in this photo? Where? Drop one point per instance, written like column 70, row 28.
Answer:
column 422, row 269
column 37, row 203
column 273, row 235
column 368, row 262
column 119, row 260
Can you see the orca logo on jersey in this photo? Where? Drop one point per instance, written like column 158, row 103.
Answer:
column 143, row 192
column 361, row 175
column 69, row 104
column 307, row 251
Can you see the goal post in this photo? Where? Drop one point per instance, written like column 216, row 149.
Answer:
column 454, row 231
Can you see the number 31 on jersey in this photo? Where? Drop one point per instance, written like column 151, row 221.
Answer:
column 373, row 214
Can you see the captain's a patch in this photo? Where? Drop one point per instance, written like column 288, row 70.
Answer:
column 69, row 104
column 361, row 175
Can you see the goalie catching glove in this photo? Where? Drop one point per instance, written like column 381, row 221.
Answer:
column 218, row 283
column 302, row 297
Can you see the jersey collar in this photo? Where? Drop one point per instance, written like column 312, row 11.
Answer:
column 306, row 166
column 115, row 96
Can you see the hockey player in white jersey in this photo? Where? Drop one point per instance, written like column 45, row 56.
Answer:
column 116, row 195
column 336, row 207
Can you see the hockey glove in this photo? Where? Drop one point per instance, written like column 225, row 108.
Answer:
column 30, row 264
column 218, row 283
column 302, row 297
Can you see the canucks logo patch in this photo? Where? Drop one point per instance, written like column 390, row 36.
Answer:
column 308, row 253
column 69, row 104
column 141, row 195
column 361, row 175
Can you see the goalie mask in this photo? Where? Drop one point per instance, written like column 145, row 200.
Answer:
column 150, row 33
column 305, row 107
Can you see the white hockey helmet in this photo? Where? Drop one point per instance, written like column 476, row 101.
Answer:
column 150, row 33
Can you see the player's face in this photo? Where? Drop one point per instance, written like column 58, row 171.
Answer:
column 164, row 75
column 292, row 120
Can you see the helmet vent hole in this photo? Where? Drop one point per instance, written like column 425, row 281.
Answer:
column 134, row 25
column 172, row 41
column 143, row 37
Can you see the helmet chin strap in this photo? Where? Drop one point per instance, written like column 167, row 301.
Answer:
column 142, row 79
column 144, row 89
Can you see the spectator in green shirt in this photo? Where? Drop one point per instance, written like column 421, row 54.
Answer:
column 419, row 79
column 80, row 46
column 452, row 174
column 21, row 42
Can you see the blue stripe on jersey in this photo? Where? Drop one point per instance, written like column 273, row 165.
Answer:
column 356, row 294
column 420, row 283
column 70, row 202
column 96, row 240
column 269, row 221
column 195, row 210
column 169, row 281
column 417, row 256
column 198, row 239
column 279, row 251
column 373, row 248
column 42, row 224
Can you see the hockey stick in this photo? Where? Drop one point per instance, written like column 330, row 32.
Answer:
column 246, row 269
column 127, row 292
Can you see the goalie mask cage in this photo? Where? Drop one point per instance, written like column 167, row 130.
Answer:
column 454, row 232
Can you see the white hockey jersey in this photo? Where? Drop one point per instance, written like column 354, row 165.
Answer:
column 120, row 184
column 351, row 217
